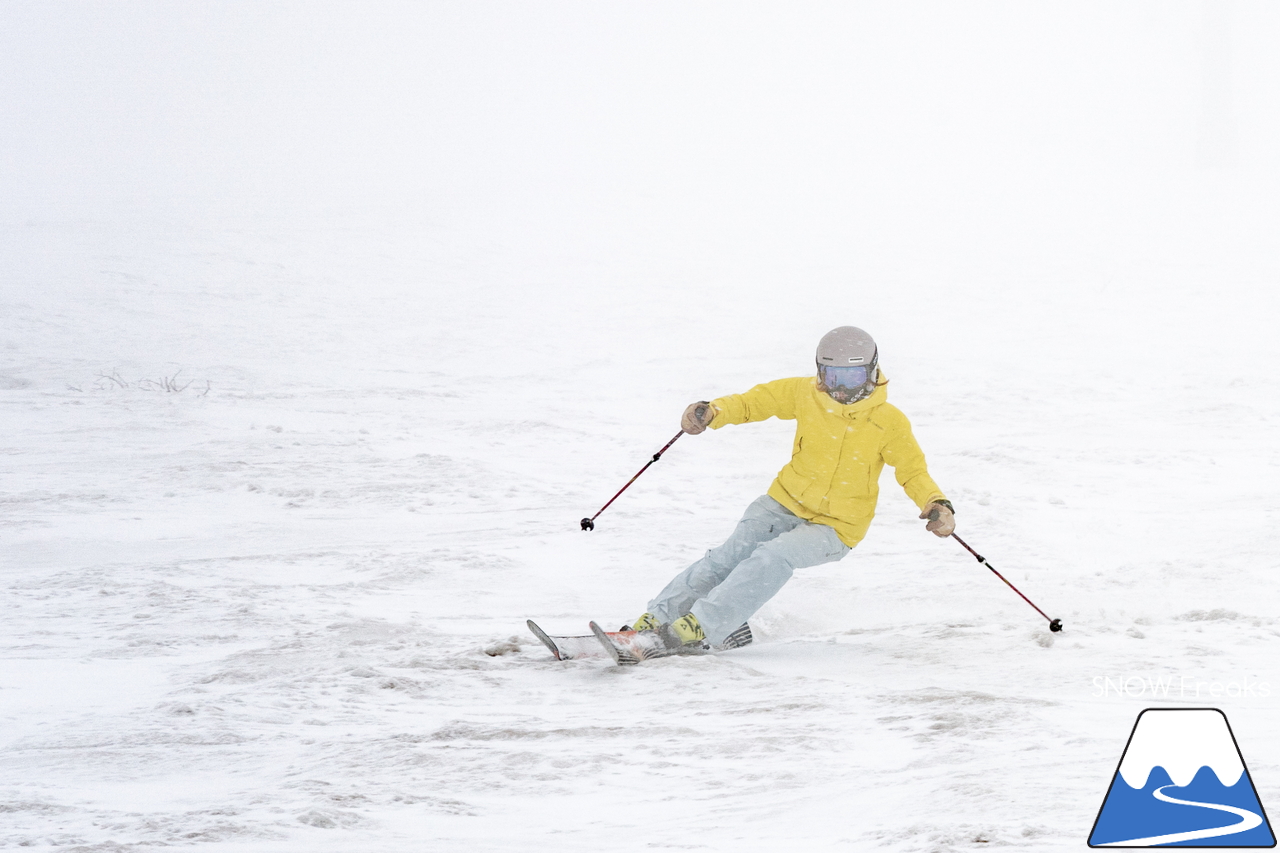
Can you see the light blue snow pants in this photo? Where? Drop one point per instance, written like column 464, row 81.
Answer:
column 733, row 581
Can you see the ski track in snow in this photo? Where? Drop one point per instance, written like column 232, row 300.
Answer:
column 288, row 614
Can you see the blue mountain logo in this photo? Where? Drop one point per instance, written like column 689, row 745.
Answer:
column 1182, row 783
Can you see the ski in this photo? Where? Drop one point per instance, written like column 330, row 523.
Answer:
column 740, row 637
column 546, row 639
column 631, row 647
column 590, row 646
column 567, row 648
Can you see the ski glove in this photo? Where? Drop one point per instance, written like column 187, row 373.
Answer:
column 942, row 520
column 697, row 417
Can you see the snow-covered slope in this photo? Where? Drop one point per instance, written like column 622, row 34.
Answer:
column 292, row 449
column 283, row 608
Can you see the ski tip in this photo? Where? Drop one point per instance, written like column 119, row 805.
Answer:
column 614, row 652
column 740, row 637
column 544, row 637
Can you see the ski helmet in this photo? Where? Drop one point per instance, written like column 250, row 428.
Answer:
column 848, row 364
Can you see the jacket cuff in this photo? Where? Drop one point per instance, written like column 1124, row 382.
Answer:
column 718, row 408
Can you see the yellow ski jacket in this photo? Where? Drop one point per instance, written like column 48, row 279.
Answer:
column 833, row 477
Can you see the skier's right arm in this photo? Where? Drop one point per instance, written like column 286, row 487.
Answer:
column 775, row 399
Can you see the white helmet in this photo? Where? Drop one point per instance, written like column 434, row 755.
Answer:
column 848, row 364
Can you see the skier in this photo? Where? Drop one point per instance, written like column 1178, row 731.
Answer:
column 822, row 501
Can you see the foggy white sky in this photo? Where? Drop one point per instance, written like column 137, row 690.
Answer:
column 955, row 128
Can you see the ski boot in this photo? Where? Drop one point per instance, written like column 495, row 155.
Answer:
column 683, row 635
column 647, row 622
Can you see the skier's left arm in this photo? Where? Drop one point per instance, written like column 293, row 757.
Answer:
column 902, row 451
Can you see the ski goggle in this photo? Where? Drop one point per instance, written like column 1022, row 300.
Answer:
column 843, row 377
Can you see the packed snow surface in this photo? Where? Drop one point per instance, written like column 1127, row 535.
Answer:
column 283, row 607
column 283, row 475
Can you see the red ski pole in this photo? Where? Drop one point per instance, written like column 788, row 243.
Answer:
column 1055, row 625
column 590, row 523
